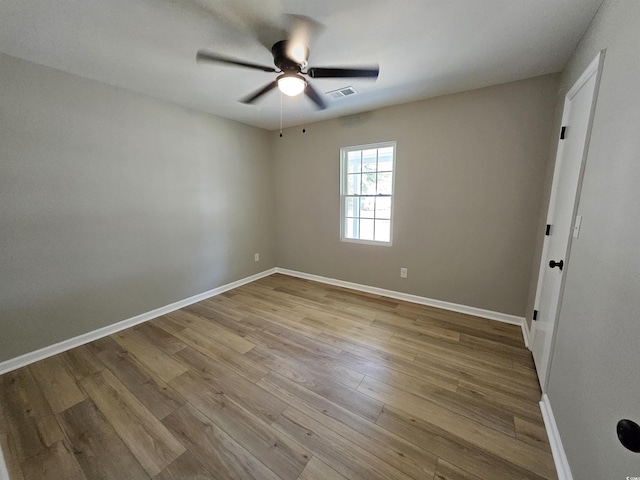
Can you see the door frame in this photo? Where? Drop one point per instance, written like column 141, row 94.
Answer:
column 595, row 67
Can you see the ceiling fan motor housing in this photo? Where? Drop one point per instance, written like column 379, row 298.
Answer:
column 282, row 60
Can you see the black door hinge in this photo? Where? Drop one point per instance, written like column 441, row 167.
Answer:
column 535, row 314
column 547, row 232
column 563, row 133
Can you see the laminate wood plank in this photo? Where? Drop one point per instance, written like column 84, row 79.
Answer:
column 453, row 449
column 57, row 384
column 81, row 362
column 289, row 334
column 332, row 323
column 516, row 405
column 474, row 326
column 533, row 434
column 323, row 381
column 303, row 365
column 217, row 453
column 54, row 463
column 281, row 455
column 153, row 359
column 8, row 450
column 390, row 448
column 511, row 449
column 10, row 458
column 149, row 441
column 340, row 394
column 153, row 393
column 213, row 315
column 347, row 458
column 430, row 313
column 213, row 330
column 325, row 305
column 447, row 471
column 519, row 353
column 97, row 448
column 239, row 389
column 230, row 358
column 452, row 350
column 167, row 324
column 470, row 369
column 303, row 298
column 248, row 302
column 159, row 338
column 469, row 407
column 387, row 353
column 362, row 298
column 222, row 306
column 408, row 327
column 525, row 364
column 299, row 358
column 278, row 341
column 400, row 370
column 316, row 469
column 290, row 320
column 30, row 424
column 359, row 343
column 185, row 467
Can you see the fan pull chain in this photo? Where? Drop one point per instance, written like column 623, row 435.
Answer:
column 304, row 111
column 280, row 114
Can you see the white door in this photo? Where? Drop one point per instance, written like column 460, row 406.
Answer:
column 567, row 178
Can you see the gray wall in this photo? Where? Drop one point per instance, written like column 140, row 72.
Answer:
column 470, row 173
column 595, row 375
column 113, row 204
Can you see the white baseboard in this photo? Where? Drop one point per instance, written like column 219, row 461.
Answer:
column 454, row 307
column 559, row 455
column 31, row 357
column 525, row 334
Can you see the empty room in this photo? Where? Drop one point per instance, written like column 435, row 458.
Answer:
column 305, row 240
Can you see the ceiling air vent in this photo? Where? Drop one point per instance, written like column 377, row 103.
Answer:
column 342, row 92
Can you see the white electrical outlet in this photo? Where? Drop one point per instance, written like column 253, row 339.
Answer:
column 403, row 273
column 256, row 257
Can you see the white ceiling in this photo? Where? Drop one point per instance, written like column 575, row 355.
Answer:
column 424, row 48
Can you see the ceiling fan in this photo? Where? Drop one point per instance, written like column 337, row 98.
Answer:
column 290, row 59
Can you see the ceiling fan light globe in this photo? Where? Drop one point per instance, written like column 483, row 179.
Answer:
column 291, row 85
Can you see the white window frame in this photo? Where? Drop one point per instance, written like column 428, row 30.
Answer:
column 343, row 189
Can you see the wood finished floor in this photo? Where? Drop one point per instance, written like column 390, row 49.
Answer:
column 283, row 379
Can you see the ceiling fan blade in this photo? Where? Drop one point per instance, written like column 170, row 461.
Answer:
column 203, row 56
column 315, row 97
column 254, row 96
column 328, row 72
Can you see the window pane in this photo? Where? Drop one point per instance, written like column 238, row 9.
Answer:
column 367, row 207
column 369, row 160
column 353, row 161
column 383, row 207
column 351, row 228
column 385, row 183
column 383, row 230
column 368, row 184
column 353, row 184
column 350, row 209
column 385, row 159
column 366, row 229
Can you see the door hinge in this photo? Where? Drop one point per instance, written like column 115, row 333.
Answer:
column 535, row 314
column 547, row 232
column 563, row 133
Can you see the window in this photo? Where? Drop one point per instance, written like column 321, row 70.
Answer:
column 366, row 193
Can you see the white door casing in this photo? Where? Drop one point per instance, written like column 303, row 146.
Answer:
column 571, row 155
